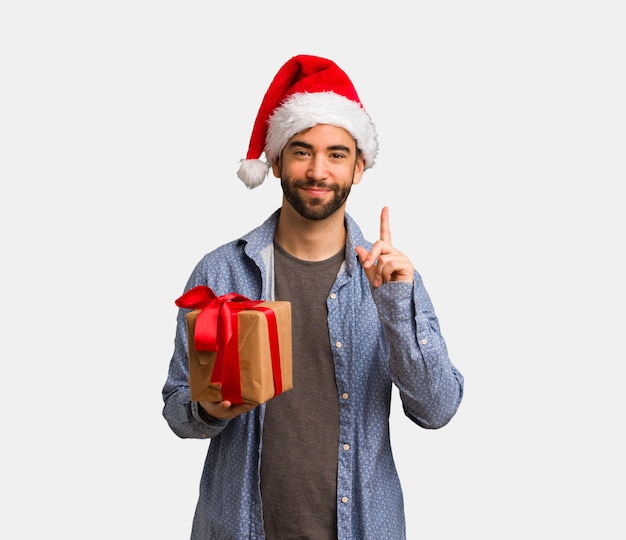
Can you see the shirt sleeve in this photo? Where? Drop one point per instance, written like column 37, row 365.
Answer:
column 185, row 417
column 431, row 388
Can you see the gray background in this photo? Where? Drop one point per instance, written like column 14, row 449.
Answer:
column 501, row 127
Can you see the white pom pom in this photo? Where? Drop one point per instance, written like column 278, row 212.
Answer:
column 252, row 172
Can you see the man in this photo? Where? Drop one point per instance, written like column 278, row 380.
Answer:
column 315, row 462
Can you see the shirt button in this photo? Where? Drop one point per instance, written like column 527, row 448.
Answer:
column 424, row 341
column 344, row 395
column 344, row 499
column 338, row 344
column 346, row 447
column 333, row 295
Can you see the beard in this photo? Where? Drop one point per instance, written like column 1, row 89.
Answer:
column 313, row 208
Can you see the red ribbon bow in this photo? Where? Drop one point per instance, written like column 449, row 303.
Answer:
column 216, row 329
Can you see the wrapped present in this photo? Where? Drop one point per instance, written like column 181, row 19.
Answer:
column 239, row 349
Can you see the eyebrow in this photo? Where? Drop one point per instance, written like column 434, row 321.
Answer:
column 335, row 147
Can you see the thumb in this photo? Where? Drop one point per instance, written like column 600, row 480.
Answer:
column 362, row 254
column 368, row 267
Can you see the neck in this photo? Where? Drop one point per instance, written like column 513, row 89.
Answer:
column 310, row 240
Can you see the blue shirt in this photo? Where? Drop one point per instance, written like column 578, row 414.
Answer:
column 379, row 338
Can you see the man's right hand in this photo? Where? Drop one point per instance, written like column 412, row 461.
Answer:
column 225, row 409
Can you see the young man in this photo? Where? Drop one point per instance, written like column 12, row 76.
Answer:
column 315, row 462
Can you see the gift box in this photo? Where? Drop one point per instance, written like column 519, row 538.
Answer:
column 239, row 349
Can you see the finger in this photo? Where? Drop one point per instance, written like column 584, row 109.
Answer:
column 395, row 267
column 362, row 254
column 366, row 262
column 368, row 258
column 385, row 231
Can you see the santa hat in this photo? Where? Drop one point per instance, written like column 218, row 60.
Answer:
column 306, row 91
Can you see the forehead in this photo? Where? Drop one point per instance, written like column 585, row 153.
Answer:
column 325, row 135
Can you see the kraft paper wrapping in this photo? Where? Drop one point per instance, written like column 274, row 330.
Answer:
column 255, row 361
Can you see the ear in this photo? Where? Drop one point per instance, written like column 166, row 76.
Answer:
column 276, row 167
column 359, row 169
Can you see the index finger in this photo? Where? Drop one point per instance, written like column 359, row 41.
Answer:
column 385, row 231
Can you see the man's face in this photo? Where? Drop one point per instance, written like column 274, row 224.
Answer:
column 317, row 168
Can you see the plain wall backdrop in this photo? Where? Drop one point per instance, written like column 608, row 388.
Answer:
column 501, row 130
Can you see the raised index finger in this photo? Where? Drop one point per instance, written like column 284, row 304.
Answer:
column 385, row 231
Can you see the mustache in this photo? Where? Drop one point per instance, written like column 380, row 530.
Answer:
column 314, row 184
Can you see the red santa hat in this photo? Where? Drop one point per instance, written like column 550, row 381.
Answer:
column 306, row 91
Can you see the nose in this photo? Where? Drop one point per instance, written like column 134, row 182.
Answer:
column 318, row 169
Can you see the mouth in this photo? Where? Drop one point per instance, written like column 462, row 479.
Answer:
column 317, row 192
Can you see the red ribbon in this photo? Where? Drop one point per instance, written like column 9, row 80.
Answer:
column 216, row 330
